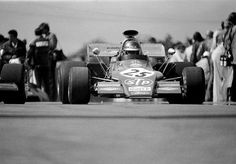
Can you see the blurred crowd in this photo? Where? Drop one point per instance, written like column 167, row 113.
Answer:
column 216, row 54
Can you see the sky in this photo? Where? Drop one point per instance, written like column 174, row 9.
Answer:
column 78, row 22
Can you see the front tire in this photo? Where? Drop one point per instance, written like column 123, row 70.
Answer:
column 193, row 85
column 79, row 83
column 63, row 79
column 14, row 73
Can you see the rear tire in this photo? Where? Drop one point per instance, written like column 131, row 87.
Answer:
column 63, row 78
column 79, row 83
column 193, row 85
column 14, row 73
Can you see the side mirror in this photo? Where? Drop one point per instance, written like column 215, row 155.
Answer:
column 171, row 51
column 96, row 51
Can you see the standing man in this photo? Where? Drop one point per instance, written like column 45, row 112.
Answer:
column 52, row 46
column 40, row 59
column 206, row 44
column 197, row 39
column 49, row 35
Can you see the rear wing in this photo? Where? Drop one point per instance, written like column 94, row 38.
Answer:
column 106, row 50
column 153, row 50
column 110, row 50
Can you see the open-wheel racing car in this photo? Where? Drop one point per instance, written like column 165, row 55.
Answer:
column 130, row 70
column 12, row 81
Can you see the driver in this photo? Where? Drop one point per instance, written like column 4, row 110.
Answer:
column 132, row 47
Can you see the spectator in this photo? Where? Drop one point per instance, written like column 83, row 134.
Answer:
column 14, row 47
column 203, row 55
column 222, row 76
column 204, row 64
column 216, row 41
column 230, row 46
column 12, row 50
column 40, row 59
column 179, row 54
column 205, row 45
column 188, row 50
column 218, row 36
column 197, row 39
column 170, row 53
column 2, row 40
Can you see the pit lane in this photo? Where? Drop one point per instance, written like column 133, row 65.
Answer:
column 117, row 132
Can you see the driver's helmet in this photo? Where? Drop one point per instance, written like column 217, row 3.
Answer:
column 132, row 47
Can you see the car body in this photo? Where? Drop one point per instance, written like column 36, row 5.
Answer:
column 134, row 77
column 111, row 73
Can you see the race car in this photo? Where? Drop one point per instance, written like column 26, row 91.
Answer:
column 128, row 71
column 12, row 83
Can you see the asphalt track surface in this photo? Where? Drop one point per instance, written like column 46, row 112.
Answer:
column 117, row 133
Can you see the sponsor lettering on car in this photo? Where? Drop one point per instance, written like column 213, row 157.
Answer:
column 138, row 82
column 108, row 84
column 109, row 89
column 139, row 89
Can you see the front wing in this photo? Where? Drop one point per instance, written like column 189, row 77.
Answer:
column 116, row 89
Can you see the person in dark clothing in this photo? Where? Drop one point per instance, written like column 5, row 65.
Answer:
column 52, row 38
column 49, row 35
column 14, row 48
column 205, row 45
column 230, row 46
column 197, row 39
column 40, row 60
column 2, row 40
